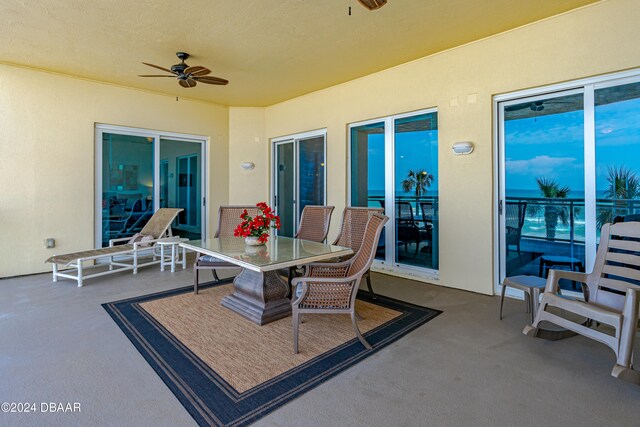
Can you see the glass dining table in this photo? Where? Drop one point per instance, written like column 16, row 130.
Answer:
column 260, row 293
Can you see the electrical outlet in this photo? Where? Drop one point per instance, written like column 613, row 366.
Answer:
column 50, row 243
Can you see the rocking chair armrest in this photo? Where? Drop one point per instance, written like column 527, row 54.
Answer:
column 553, row 281
column 629, row 326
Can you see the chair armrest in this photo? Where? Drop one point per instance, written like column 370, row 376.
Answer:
column 319, row 266
column 555, row 275
column 306, row 281
column 120, row 240
column 146, row 244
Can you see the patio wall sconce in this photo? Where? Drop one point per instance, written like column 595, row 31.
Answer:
column 462, row 147
column 247, row 165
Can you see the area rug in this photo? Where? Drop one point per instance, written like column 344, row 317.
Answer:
column 228, row 371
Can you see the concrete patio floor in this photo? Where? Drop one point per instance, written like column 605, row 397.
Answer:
column 463, row 368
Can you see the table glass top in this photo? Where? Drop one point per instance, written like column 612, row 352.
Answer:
column 278, row 252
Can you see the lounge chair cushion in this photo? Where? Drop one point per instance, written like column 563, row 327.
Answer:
column 66, row 259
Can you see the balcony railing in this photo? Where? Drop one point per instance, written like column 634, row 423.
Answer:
column 572, row 210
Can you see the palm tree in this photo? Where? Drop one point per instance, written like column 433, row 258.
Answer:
column 624, row 186
column 553, row 213
column 419, row 179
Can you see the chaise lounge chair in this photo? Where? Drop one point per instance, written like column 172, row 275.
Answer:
column 128, row 248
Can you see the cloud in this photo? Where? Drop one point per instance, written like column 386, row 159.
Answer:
column 541, row 166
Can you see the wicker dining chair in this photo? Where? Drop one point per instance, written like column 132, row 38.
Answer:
column 314, row 226
column 331, row 288
column 354, row 221
column 228, row 220
column 314, row 223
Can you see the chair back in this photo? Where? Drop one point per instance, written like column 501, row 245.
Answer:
column 159, row 224
column 514, row 213
column 354, row 222
column 429, row 210
column 404, row 212
column 229, row 218
column 314, row 223
column 626, row 218
column 617, row 266
column 363, row 258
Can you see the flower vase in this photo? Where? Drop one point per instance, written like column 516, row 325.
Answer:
column 253, row 241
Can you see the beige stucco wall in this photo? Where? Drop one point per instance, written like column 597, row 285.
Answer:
column 247, row 143
column 47, row 156
column 594, row 40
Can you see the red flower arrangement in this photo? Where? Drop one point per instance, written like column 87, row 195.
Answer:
column 259, row 225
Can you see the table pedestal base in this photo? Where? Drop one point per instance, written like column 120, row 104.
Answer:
column 259, row 297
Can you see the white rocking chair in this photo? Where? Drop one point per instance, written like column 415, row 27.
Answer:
column 611, row 296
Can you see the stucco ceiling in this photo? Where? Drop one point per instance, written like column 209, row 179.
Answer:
column 269, row 50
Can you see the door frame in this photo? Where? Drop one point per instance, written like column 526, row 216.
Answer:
column 157, row 135
column 295, row 139
column 587, row 86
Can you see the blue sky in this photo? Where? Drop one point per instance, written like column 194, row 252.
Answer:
column 552, row 146
column 414, row 150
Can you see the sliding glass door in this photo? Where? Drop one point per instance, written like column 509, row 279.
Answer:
column 284, row 177
column 126, row 193
column 569, row 163
column 368, row 178
column 544, row 204
column 299, row 177
column 394, row 165
column 617, row 153
column 139, row 171
column 184, row 184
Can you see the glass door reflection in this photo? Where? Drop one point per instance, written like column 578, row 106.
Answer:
column 617, row 133
column 416, row 190
column 368, row 170
column 284, row 177
column 544, row 182
column 127, row 184
column 183, row 187
column 311, row 174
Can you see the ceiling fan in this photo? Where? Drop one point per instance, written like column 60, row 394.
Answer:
column 535, row 105
column 187, row 76
column 373, row 4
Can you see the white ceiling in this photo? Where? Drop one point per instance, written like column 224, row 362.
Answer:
column 269, row 50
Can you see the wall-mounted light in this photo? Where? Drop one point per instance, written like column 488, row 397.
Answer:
column 462, row 147
column 247, row 165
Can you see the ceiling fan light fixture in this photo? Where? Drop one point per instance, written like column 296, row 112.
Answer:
column 187, row 76
column 373, row 4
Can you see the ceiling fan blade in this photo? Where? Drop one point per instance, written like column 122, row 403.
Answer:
column 159, row 67
column 154, row 75
column 211, row 80
column 197, row 71
column 373, row 4
column 517, row 107
column 187, row 83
